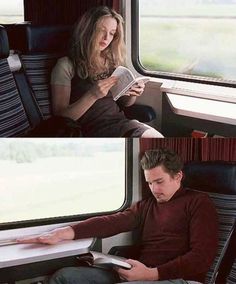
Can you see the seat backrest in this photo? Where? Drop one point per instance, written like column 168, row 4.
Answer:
column 40, row 47
column 218, row 180
column 13, row 118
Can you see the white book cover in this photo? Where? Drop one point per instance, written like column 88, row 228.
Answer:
column 126, row 80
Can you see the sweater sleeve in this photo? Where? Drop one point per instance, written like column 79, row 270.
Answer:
column 203, row 240
column 108, row 225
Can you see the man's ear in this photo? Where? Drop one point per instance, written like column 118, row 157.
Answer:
column 179, row 176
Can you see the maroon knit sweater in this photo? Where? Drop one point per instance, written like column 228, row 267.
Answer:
column 178, row 237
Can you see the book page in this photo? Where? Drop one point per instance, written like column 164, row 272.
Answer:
column 109, row 260
column 125, row 80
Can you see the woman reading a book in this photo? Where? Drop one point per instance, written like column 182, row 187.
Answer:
column 81, row 81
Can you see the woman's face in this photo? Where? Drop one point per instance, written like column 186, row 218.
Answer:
column 106, row 31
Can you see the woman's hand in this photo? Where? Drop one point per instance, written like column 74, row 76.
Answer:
column 52, row 237
column 136, row 90
column 101, row 88
column 138, row 272
column 130, row 96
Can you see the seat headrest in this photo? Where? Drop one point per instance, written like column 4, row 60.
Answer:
column 211, row 176
column 4, row 45
column 29, row 38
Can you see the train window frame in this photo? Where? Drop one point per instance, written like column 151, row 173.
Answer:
column 168, row 76
column 128, row 194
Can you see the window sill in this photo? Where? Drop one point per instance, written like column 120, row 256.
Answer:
column 211, row 92
column 212, row 110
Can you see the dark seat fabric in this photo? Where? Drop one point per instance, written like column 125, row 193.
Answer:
column 40, row 47
column 38, row 69
column 218, row 180
column 143, row 113
column 4, row 47
column 13, row 118
column 216, row 176
column 31, row 39
column 231, row 279
column 19, row 112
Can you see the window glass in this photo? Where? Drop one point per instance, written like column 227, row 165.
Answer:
column 11, row 11
column 45, row 178
column 193, row 37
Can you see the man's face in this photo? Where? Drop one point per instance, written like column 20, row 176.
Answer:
column 163, row 186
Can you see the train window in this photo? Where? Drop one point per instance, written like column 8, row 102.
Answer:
column 11, row 11
column 189, row 39
column 49, row 178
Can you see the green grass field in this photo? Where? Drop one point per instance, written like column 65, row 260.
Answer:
column 189, row 39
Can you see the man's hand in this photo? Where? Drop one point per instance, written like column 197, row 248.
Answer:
column 52, row 237
column 138, row 272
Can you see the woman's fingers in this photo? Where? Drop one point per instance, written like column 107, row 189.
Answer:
column 103, row 86
column 136, row 90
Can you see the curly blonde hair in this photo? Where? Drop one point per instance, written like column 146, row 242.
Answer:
column 83, row 52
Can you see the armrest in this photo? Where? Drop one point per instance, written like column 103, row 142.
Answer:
column 125, row 251
column 143, row 113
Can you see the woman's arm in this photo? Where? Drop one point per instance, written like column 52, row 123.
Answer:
column 61, row 102
column 61, row 98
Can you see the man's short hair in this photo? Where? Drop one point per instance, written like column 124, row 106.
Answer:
column 167, row 158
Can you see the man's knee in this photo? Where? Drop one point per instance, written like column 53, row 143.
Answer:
column 68, row 275
column 84, row 275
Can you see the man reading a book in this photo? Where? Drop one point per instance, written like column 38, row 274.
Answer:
column 178, row 231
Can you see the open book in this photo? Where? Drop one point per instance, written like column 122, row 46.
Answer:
column 95, row 258
column 126, row 80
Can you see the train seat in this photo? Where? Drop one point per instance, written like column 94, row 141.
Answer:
column 40, row 47
column 218, row 180
column 13, row 117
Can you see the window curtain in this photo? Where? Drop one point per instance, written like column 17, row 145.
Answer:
column 61, row 12
column 192, row 149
